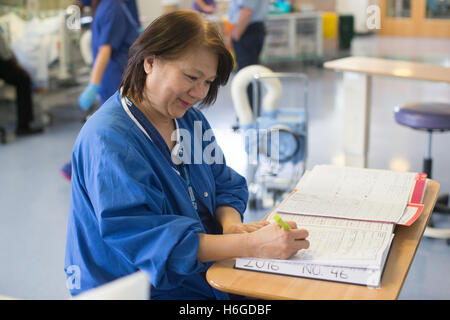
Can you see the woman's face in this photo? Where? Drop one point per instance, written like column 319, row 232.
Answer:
column 173, row 86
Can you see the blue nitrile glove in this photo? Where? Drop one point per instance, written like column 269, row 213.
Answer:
column 87, row 98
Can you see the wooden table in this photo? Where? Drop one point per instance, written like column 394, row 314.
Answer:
column 357, row 95
column 223, row 276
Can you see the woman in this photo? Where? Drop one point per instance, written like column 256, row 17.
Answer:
column 150, row 189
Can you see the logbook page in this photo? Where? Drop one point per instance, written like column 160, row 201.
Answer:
column 342, row 242
column 351, row 193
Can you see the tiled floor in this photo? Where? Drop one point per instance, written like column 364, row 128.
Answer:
column 34, row 198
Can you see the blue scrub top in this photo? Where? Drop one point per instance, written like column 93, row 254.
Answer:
column 131, row 5
column 133, row 9
column 131, row 210
column 114, row 25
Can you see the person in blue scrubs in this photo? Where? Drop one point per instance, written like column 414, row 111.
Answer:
column 114, row 29
column 151, row 189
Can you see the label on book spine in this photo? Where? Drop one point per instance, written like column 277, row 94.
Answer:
column 360, row 276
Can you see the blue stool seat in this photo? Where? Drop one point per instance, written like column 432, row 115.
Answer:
column 432, row 116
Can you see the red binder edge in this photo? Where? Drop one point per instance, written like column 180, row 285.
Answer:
column 417, row 197
column 419, row 187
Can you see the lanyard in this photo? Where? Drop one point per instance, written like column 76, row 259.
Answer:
column 190, row 188
column 151, row 131
column 162, row 146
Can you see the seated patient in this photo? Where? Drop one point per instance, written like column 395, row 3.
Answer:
column 151, row 189
column 14, row 74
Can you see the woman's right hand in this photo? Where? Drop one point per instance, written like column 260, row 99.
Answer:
column 273, row 242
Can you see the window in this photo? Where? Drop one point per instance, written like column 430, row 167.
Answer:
column 399, row 8
column 438, row 9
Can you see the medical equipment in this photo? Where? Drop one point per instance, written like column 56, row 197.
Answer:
column 275, row 136
column 85, row 47
column 69, row 37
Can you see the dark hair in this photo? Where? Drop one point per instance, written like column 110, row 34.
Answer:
column 169, row 37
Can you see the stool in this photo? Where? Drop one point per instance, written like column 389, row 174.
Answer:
column 431, row 117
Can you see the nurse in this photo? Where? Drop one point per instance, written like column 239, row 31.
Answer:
column 114, row 29
column 151, row 189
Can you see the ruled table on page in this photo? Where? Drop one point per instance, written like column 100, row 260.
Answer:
column 340, row 241
column 351, row 193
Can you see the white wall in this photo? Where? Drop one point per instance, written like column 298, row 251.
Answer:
column 149, row 10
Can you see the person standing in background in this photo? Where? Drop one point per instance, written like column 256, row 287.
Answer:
column 248, row 33
column 247, row 36
column 204, row 6
column 114, row 29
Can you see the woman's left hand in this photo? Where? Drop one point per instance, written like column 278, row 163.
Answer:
column 244, row 227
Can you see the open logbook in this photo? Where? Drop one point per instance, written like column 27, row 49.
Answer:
column 350, row 214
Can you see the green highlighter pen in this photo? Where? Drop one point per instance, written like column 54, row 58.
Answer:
column 280, row 221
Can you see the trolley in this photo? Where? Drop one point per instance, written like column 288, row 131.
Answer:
column 275, row 136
